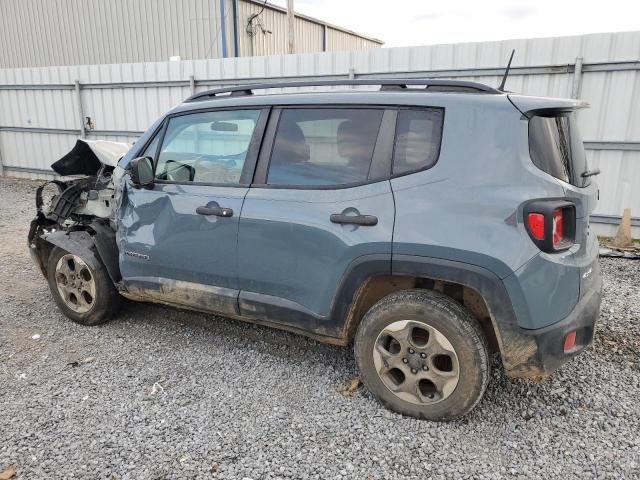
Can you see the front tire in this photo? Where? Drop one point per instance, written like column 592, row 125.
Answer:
column 422, row 354
column 85, row 295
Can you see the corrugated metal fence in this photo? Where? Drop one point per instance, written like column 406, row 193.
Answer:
column 43, row 110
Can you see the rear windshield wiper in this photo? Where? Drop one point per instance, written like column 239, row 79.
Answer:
column 590, row 173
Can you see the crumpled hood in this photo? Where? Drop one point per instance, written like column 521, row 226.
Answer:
column 87, row 156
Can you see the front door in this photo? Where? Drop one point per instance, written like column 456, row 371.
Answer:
column 178, row 239
column 320, row 203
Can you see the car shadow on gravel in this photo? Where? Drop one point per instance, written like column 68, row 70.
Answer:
column 297, row 348
column 243, row 334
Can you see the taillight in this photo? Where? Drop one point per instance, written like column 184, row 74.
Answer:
column 557, row 234
column 551, row 224
column 536, row 225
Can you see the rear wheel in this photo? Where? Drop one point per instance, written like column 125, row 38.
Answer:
column 84, row 294
column 423, row 354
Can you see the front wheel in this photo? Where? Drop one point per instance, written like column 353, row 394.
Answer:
column 85, row 295
column 423, row 354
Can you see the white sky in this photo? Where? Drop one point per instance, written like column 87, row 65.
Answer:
column 423, row 22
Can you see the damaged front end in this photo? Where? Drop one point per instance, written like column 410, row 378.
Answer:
column 78, row 214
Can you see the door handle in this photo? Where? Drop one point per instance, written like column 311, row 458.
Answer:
column 217, row 211
column 363, row 220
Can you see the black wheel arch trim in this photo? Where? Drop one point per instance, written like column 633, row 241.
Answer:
column 485, row 282
column 359, row 271
column 78, row 243
column 518, row 350
column 96, row 250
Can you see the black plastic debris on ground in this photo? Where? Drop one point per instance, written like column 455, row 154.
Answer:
column 614, row 253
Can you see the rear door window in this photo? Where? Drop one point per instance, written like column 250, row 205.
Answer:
column 323, row 146
column 556, row 147
column 418, row 137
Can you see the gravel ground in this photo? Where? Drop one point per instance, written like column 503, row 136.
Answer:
column 162, row 393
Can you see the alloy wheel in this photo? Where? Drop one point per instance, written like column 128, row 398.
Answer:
column 75, row 283
column 416, row 362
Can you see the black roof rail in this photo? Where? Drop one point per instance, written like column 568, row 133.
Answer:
column 385, row 85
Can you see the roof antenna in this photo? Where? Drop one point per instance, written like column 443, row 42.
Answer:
column 506, row 72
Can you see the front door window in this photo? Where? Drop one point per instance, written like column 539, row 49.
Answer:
column 209, row 147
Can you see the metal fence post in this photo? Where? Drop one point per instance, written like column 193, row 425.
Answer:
column 324, row 38
column 192, row 84
column 83, row 133
column 291, row 28
column 1, row 164
column 577, row 79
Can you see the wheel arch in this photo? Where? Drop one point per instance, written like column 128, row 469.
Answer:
column 96, row 245
column 477, row 288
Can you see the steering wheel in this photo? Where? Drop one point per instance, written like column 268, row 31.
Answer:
column 226, row 160
column 218, row 169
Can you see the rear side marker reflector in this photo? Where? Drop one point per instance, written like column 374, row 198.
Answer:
column 570, row 341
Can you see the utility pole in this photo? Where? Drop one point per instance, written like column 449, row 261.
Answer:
column 291, row 20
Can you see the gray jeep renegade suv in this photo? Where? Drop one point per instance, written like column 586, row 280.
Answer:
column 430, row 223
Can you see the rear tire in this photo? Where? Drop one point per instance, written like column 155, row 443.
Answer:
column 85, row 295
column 422, row 354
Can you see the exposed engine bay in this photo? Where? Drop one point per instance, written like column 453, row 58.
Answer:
column 81, row 211
column 67, row 203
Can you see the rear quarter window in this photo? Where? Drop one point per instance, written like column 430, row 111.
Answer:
column 418, row 137
column 556, row 147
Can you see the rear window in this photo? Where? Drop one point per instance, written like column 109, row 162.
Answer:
column 556, row 147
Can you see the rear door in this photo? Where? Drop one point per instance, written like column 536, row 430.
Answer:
column 320, row 203
column 178, row 239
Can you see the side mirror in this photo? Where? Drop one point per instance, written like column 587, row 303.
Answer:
column 141, row 171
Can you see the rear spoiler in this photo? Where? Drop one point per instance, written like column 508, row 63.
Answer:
column 530, row 106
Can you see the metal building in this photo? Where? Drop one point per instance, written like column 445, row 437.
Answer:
column 39, row 33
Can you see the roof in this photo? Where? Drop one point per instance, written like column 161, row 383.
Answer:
column 317, row 21
column 435, row 92
column 352, row 97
